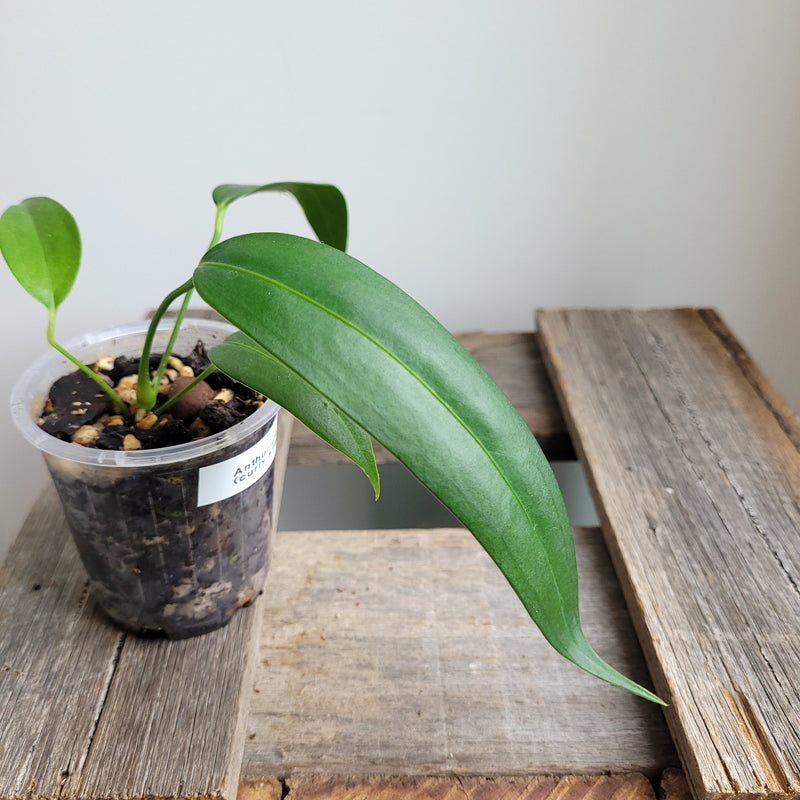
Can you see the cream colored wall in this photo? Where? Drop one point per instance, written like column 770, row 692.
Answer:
column 497, row 156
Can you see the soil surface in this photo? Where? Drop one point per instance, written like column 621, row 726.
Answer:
column 78, row 411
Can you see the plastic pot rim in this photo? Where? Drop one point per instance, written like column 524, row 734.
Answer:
column 29, row 393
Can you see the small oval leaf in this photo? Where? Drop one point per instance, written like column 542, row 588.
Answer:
column 391, row 367
column 324, row 206
column 41, row 244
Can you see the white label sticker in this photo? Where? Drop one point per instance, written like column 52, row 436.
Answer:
column 219, row 481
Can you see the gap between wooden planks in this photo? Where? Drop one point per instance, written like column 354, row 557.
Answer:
column 693, row 460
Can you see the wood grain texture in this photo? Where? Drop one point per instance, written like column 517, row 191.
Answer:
column 90, row 712
column 514, row 362
column 593, row 787
column 57, row 657
column 697, row 483
column 406, row 653
column 170, row 722
column 787, row 419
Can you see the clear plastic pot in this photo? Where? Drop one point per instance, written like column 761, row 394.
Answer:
column 174, row 539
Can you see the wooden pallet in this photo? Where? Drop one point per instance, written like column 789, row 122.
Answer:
column 399, row 664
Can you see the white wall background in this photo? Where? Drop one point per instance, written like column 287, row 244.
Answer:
column 497, row 155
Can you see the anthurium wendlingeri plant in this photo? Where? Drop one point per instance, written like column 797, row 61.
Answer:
column 354, row 358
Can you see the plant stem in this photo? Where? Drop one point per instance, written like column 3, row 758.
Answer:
column 173, row 336
column 221, row 208
column 121, row 406
column 147, row 388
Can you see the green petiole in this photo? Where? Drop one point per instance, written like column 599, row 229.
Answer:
column 147, row 387
column 51, row 319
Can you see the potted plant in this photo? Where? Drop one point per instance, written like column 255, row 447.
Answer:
column 354, row 358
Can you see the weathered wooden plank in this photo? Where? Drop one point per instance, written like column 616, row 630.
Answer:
column 319, row 787
column 171, row 724
column 787, row 419
column 57, row 656
column 697, row 484
column 89, row 712
column 406, row 653
column 514, row 362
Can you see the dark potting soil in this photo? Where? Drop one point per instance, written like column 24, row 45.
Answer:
column 78, row 411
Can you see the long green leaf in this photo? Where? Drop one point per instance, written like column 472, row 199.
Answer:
column 242, row 358
column 400, row 375
column 40, row 242
column 324, row 206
